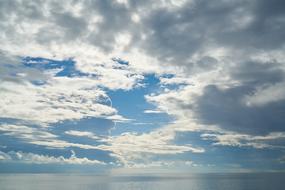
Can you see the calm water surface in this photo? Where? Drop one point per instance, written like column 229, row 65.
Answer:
column 260, row 181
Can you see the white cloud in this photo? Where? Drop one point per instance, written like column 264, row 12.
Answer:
column 31, row 158
column 132, row 148
column 82, row 134
column 170, row 4
column 60, row 144
column 41, row 136
column 61, row 98
column 128, row 148
column 152, row 111
column 114, row 76
column 25, row 132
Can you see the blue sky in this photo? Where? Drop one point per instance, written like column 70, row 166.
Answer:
column 187, row 86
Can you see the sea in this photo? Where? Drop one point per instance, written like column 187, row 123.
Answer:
column 210, row 181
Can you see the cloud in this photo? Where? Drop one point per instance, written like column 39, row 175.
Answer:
column 127, row 148
column 40, row 136
column 60, row 99
column 165, row 164
column 226, row 109
column 243, row 140
column 152, row 111
column 25, row 132
column 238, row 101
column 132, row 148
column 266, row 95
column 229, row 69
column 98, row 24
column 174, row 80
column 82, row 134
column 31, row 158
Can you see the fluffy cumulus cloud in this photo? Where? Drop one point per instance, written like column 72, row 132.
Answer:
column 219, row 67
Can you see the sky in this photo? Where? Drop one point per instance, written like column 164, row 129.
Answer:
column 126, row 85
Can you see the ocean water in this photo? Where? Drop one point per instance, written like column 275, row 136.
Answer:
column 252, row 181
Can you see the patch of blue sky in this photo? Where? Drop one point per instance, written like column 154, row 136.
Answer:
column 67, row 66
column 98, row 126
column 132, row 105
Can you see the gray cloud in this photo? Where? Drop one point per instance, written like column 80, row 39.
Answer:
column 116, row 18
column 258, row 73
column 72, row 25
column 226, row 109
column 172, row 35
column 246, row 28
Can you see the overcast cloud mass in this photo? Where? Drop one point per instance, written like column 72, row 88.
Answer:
column 190, row 85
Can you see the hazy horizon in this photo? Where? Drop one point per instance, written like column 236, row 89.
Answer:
column 157, row 182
